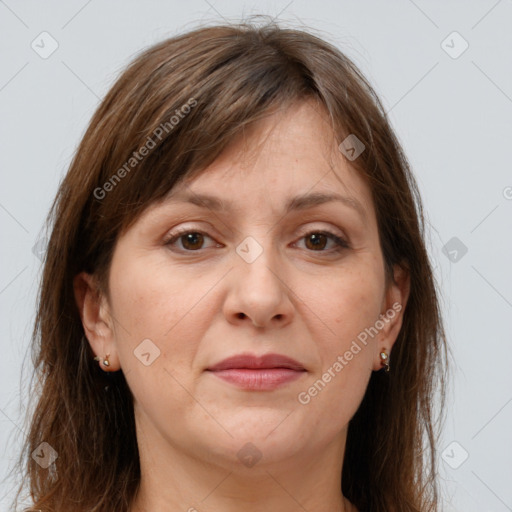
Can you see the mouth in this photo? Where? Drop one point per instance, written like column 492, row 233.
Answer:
column 258, row 373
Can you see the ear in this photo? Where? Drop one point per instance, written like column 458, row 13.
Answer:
column 96, row 319
column 392, row 311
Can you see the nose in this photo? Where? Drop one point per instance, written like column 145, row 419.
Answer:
column 259, row 294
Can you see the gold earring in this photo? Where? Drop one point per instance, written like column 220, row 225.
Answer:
column 106, row 362
column 384, row 360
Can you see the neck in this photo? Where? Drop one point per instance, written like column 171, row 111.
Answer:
column 174, row 478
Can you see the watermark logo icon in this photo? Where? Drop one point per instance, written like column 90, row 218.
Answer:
column 249, row 249
column 45, row 455
column 454, row 45
column 455, row 455
column 249, row 455
column 44, row 45
column 147, row 352
column 454, row 249
column 39, row 248
column 351, row 147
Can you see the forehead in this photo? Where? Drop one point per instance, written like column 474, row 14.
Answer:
column 291, row 158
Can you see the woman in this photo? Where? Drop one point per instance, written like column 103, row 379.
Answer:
column 237, row 309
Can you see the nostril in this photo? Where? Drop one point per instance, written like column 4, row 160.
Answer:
column 241, row 315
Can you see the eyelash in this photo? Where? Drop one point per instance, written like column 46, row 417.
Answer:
column 341, row 244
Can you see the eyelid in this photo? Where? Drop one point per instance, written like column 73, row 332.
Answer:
column 341, row 241
column 306, row 229
column 179, row 232
column 320, row 227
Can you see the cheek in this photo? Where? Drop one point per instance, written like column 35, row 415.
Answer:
column 341, row 310
column 156, row 335
column 151, row 303
column 336, row 387
column 345, row 303
column 332, row 398
column 150, row 300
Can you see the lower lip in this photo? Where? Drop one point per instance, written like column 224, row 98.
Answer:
column 259, row 380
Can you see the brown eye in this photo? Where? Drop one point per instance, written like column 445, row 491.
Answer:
column 316, row 241
column 192, row 241
column 188, row 240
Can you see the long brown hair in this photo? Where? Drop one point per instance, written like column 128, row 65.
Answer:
column 190, row 96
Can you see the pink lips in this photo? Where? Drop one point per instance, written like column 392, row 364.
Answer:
column 262, row 373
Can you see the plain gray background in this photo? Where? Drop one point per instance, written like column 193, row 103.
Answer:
column 451, row 107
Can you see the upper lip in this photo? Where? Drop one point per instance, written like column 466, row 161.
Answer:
column 265, row 361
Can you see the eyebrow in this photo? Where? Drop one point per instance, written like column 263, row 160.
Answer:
column 298, row 203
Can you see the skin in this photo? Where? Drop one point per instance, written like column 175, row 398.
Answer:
column 299, row 299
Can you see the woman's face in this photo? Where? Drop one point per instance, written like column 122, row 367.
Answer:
column 263, row 274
